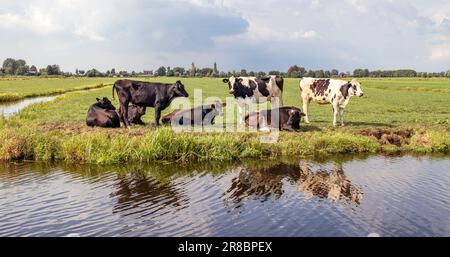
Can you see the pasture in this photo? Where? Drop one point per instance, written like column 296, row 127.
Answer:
column 57, row 130
column 15, row 88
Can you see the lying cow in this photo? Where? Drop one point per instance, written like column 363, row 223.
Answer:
column 288, row 119
column 146, row 94
column 202, row 115
column 135, row 113
column 329, row 91
column 248, row 90
column 103, row 114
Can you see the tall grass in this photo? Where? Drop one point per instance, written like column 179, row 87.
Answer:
column 165, row 145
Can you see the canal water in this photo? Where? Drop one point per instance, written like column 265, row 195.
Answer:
column 362, row 196
column 12, row 108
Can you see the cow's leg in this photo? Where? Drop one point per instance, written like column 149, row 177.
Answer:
column 241, row 107
column 305, row 108
column 341, row 115
column 335, row 114
column 125, row 116
column 157, row 115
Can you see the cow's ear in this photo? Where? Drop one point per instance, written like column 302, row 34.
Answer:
column 240, row 80
column 98, row 99
column 225, row 80
column 178, row 82
column 105, row 99
column 224, row 104
column 213, row 106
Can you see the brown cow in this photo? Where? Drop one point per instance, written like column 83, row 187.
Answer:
column 201, row 115
column 288, row 119
column 103, row 114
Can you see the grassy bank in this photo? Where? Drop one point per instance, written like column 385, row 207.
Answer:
column 165, row 145
column 395, row 115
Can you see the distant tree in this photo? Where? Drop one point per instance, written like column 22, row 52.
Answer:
column 334, row 72
column 94, row 73
column 319, row 74
column 215, row 70
column 261, row 73
column 179, row 70
column 113, row 71
column 295, row 72
column 161, row 71
column 244, row 72
column 193, row 70
column 9, row 66
column 22, row 70
column 274, row 72
column 170, row 72
column 81, row 72
column 53, row 69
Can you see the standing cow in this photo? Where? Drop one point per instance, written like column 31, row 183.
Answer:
column 329, row 91
column 248, row 90
column 146, row 94
column 102, row 114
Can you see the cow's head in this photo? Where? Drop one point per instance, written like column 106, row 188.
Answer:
column 295, row 116
column 105, row 103
column 217, row 107
column 233, row 83
column 178, row 90
column 355, row 88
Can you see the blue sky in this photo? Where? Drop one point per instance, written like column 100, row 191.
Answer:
column 256, row 35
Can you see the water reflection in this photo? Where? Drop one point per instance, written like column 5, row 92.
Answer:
column 344, row 196
column 328, row 183
column 262, row 181
column 9, row 109
column 139, row 190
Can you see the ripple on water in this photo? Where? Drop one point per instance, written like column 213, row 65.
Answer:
column 375, row 196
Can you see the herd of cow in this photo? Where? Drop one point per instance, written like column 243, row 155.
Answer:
column 246, row 91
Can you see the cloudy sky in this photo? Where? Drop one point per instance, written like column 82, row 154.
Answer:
column 252, row 34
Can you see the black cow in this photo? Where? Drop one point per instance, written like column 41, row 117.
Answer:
column 288, row 119
column 201, row 115
column 146, row 94
column 135, row 113
column 103, row 114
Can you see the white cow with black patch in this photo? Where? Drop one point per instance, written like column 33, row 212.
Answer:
column 249, row 90
column 329, row 91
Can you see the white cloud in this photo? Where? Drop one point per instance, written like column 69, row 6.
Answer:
column 440, row 52
column 260, row 35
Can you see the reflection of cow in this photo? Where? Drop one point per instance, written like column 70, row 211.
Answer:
column 264, row 182
column 332, row 184
column 137, row 190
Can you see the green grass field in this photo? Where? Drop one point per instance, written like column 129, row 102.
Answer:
column 422, row 105
column 16, row 88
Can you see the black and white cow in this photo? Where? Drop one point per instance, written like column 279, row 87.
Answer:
column 248, row 90
column 329, row 91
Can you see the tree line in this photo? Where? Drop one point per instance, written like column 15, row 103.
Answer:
column 13, row 67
